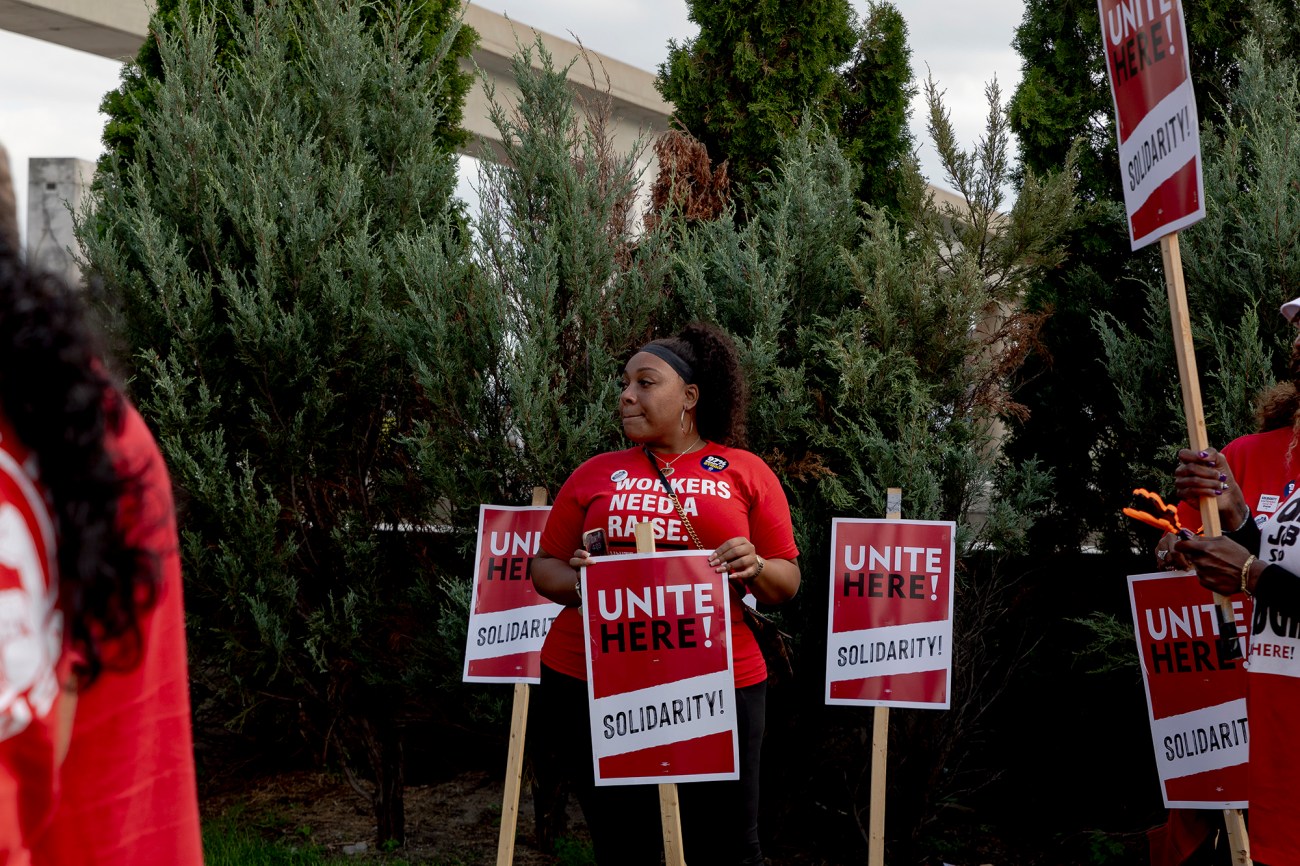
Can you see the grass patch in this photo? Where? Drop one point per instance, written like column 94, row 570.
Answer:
column 574, row 852
column 227, row 844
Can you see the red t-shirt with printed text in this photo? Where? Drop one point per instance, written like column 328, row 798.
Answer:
column 726, row 493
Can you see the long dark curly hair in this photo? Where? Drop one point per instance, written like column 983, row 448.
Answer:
column 724, row 396
column 62, row 405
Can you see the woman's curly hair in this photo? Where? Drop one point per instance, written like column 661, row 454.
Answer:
column 62, row 405
column 724, row 397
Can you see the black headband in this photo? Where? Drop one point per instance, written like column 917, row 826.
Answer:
column 674, row 360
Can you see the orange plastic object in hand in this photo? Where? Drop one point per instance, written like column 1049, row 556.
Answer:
column 1168, row 522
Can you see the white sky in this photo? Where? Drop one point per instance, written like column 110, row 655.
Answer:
column 50, row 95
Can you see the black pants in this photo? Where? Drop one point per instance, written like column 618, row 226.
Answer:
column 719, row 819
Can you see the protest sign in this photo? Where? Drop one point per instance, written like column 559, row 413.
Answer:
column 1145, row 46
column 889, row 622
column 659, row 670
column 1196, row 690
column 508, row 620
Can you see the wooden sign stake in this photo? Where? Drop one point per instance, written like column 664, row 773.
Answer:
column 1181, row 323
column 515, row 756
column 880, row 737
column 670, row 811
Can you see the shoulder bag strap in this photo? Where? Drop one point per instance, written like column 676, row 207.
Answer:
column 672, row 494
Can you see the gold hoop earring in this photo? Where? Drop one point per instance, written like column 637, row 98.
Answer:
column 685, row 428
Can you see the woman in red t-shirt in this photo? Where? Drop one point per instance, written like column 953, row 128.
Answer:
column 96, row 765
column 683, row 406
column 1253, row 482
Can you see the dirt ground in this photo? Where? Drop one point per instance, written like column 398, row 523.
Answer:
column 453, row 822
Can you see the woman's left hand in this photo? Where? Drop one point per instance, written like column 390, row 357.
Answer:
column 737, row 558
column 1206, row 474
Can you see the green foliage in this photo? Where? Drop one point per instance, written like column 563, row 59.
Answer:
column 227, row 843
column 1110, row 644
column 756, row 71
column 1105, row 848
column 877, row 91
column 752, row 72
column 573, row 852
column 259, row 253
column 580, row 290
column 428, row 21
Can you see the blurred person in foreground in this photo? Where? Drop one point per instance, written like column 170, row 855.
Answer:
column 683, row 407
column 1253, row 481
column 96, row 756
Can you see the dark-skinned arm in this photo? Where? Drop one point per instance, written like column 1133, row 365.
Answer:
column 558, row 580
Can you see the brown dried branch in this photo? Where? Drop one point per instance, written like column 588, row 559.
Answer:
column 688, row 186
column 808, row 467
column 1005, row 348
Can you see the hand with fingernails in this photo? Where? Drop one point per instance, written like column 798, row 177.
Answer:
column 1221, row 564
column 738, row 559
column 1202, row 474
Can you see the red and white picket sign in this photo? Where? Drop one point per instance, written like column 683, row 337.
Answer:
column 508, row 620
column 1196, row 698
column 1145, row 46
column 889, row 623
column 659, row 672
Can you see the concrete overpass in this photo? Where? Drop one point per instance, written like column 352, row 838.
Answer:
column 115, row 29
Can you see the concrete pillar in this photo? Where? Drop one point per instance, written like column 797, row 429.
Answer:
column 54, row 186
column 8, row 203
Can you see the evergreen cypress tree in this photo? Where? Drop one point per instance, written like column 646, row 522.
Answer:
column 280, row 250
column 430, row 19
column 758, row 69
column 559, row 243
column 876, row 98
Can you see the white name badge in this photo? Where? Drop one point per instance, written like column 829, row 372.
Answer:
column 1268, row 504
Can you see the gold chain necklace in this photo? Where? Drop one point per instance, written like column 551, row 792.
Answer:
column 668, row 464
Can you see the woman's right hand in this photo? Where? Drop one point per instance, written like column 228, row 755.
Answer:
column 1202, row 474
column 1219, row 562
column 557, row 579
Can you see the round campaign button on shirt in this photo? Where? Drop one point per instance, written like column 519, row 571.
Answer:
column 618, row 476
column 714, row 463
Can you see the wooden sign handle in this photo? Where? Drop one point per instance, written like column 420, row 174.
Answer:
column 1188, row 378
column 1180, row 321
column 670, row 810
column 880, row 736
column 515, row 756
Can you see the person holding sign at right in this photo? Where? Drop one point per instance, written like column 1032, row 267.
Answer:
column 683, row 407
column 1254, row 481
